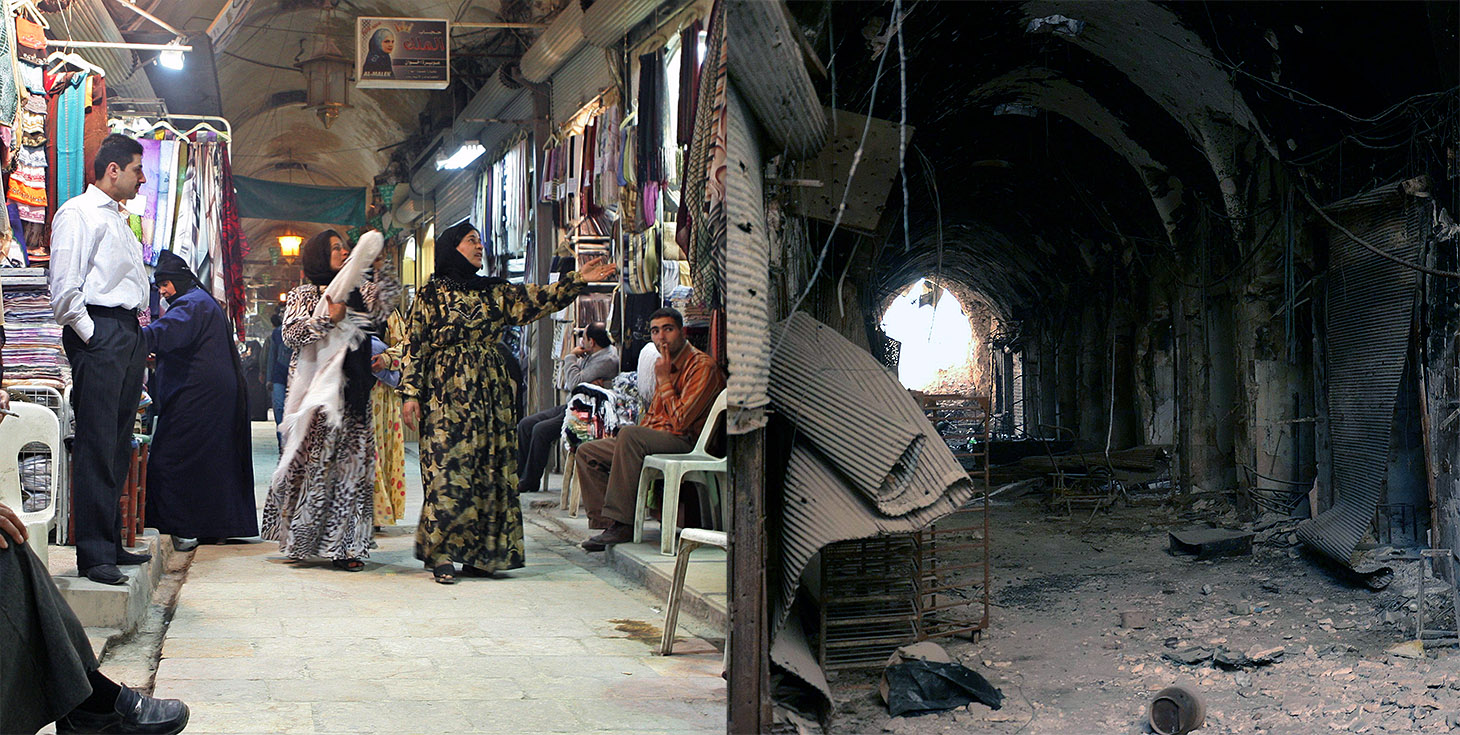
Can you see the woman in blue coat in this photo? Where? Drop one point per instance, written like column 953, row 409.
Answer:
column 200, row 471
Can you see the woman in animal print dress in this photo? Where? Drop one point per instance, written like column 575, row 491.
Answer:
column 456, row 384
column 322, row 504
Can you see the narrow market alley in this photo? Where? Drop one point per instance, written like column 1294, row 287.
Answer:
column 563, row 645
column 1024, row 367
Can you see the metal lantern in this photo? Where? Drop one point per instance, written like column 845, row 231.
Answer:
column 289, row 246
column 327, row 80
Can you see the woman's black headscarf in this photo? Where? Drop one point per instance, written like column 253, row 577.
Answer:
column 172, row 268
column 453, row 267
column 314, row 258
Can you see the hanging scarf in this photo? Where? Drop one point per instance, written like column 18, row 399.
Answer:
column 317, row 385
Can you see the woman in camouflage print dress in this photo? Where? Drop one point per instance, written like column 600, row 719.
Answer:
column 471, row 513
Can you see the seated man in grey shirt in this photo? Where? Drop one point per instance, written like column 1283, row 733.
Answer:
column 594, row 361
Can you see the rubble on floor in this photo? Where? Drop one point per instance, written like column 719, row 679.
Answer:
column 1311, row 647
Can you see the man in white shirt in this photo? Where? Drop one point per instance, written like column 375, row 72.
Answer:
column 98, row 286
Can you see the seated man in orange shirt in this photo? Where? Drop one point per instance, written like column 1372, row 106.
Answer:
column 687, row 381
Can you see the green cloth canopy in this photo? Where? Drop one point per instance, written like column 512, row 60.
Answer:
column 330, row 205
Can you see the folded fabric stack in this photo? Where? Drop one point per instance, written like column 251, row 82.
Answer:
column 33, row 354
column 28, row 305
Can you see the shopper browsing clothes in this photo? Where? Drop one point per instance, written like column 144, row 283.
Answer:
column 594, row 361
column 471, row 513
column 200, row 469
column 321, row 497
column 98, row 285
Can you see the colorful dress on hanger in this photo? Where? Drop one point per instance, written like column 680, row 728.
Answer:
column 390, row 442
column 471, row 513
column 323, row 504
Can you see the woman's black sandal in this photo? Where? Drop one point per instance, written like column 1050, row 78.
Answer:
column 349, row 565
column 444, row 573
column 468, row 570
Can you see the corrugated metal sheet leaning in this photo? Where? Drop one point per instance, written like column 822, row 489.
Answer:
column 852, row 417
column 853, row 411
column 765, row 61
column 1370, row 306
column 747, row 261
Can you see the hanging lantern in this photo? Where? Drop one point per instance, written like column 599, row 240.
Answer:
column 289, row 246
column 327, row 79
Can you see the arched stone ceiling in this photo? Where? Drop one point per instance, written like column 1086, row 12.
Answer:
column 1141, row 108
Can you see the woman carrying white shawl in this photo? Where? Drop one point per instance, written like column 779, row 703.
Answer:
column 321, row 497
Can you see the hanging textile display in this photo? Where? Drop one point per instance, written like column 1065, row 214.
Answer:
column 234, row 248
column 72, row 94
column 649, row 170
column 9, row 86
column 689, row 82
column 701, row 231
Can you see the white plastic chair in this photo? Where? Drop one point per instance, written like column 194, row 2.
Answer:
column 674, row 468
column 689, row 540
column 35, row 424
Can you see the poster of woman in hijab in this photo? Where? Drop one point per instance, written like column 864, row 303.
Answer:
column 377, row 63
column 402, row 53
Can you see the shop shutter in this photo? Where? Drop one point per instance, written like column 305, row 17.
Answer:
column 456, row 196
column 605, row 22
column 578, row 81
column 563, row 37
column 1369, row 308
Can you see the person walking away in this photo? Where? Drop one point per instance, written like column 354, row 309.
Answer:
column 98, row 286
column 320, row 499
column 390, row 440
column 686, row 383
column 454, row 371
column 278, row 367
column 595, row 361
column 200, row 469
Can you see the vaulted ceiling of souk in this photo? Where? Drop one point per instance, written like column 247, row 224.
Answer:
column 285, row 142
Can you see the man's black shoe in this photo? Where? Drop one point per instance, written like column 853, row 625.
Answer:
column 127, row 558
column 105, row 574
column 133, row 713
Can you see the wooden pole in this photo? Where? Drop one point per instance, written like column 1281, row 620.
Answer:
column 748, row 703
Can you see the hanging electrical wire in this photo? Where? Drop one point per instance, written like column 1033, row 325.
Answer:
column 1369, row 246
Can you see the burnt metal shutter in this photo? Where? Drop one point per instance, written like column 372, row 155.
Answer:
column 1370, row 304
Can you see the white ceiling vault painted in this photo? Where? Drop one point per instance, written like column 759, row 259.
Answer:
column 288, row 143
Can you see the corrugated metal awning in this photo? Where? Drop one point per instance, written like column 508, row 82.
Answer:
column 1370, row 303
column 87, row 20
column 765, row 61
column 563, row 38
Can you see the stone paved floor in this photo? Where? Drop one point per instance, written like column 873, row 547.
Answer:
column 258, row 645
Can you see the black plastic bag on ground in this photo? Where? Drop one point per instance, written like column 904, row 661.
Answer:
column 917, row 687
